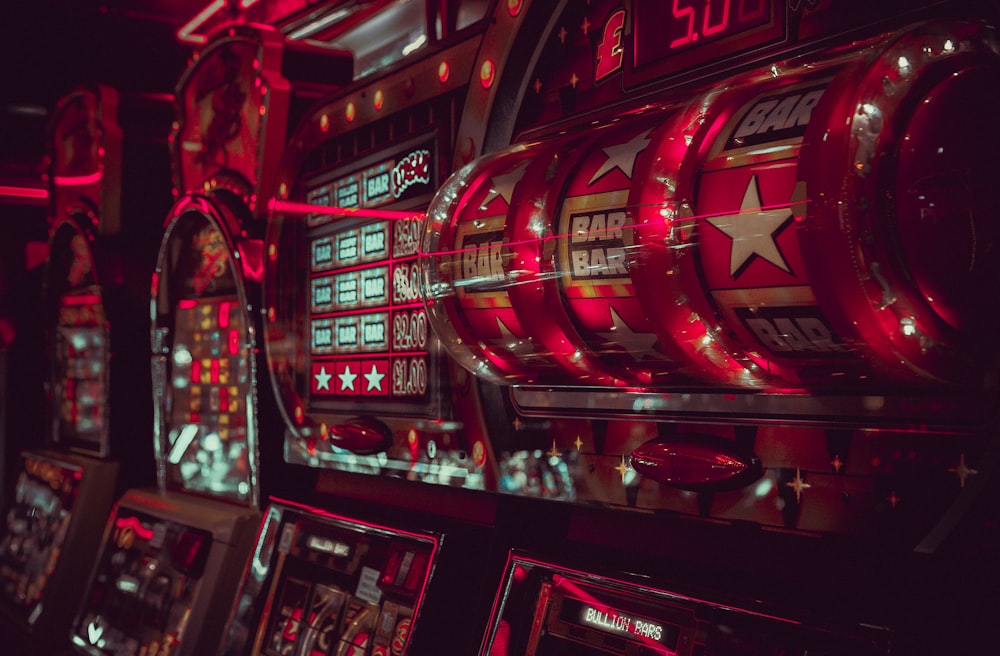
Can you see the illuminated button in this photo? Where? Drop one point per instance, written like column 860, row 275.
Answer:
column 487, row 72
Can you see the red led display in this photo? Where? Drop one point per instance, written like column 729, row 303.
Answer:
column 690, row 33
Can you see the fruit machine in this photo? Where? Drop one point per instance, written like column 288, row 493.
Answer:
column 101, row 147
column 370, row 560
column 719, row 264
column 172, row 553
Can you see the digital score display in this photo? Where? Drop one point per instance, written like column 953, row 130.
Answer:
column 686, row 34
column 368, row 333
column 616, row 622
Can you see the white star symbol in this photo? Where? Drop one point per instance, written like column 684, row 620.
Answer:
column 512, row 342
column 347, row 379
column 622, row 157
column 322, row 379
column 374, row 379
column 635, row 344
column 752, row 231
column 503, row 185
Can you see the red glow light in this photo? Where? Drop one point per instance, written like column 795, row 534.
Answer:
column 135, row 525
column 78, row 180
column 23, row 192
column 224, row 315
column 290, row 207
column 444, row 72
column 487, row 73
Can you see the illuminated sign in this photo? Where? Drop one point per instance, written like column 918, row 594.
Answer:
column 369, row 333
column 690, row 33
column 326, row 545
column 617, row 622
column 365, row 302
column 407, row 174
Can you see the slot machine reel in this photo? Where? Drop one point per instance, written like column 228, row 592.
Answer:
column 898, row 174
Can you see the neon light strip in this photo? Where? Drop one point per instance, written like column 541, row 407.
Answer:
column 307, row 208
column 23, row 192
column 78, row 180
column 186, row 32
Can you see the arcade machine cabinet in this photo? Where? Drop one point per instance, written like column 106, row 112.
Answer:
column 97, row 392
column 370, row 561
column 172, row 555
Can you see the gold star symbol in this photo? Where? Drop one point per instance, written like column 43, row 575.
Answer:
column 798, row 485
column 962, row 470
column 537, row 85
column 517, row 423
column 578, row 443
column 622, row 468
column 752, row 230
column 837, row 463
column 573, row 80
column 562, row 35
column 554, row 452
column 585, row 26
column 893, row 499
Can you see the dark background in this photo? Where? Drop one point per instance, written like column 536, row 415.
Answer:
column 51, row 46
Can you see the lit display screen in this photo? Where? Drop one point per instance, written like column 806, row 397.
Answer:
column 81, row 360
column 36, row 523
column 367, row 330
column 207, row 400
column 691, row 33
column 616, row 622
column 210, row 379
column 77, row 335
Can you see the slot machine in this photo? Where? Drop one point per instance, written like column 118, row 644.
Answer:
column 706, row 364
column 368, row 561
column 95, row 394
column 727, row 254
column 172, row 554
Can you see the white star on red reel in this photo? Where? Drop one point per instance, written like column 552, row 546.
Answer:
column 753, row 230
